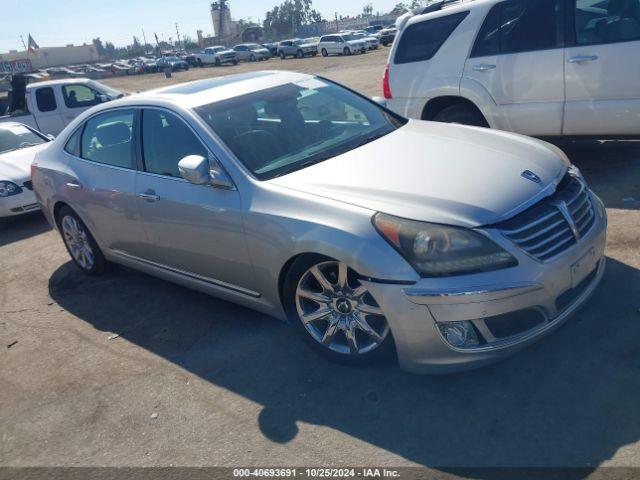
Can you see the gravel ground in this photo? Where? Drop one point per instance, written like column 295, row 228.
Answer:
column 130, row 370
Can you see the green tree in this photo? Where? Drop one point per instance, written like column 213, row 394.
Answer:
column 367, row 10
column 399, row 9
column 283, row 19
column 99, row 47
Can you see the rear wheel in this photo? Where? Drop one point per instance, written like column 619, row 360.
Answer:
column 199, row 62
column 461, row 113
column 252, row 58
column 218, row 62
column 325, row 53
column 346, row 51
column 335, row 313
column 80, row 243
column 299, row 54
column 282, row 56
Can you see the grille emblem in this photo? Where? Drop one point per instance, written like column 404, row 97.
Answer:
column 529, row 175
column 564, row 210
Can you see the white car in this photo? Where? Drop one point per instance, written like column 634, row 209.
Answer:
column 341, row 44
column 251, row 52
column 18, row 147
column 538, row 67
column 372, row 41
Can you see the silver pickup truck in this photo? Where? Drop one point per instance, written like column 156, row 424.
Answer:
column 50, row 106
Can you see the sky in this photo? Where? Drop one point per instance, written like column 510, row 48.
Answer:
column 55, row 23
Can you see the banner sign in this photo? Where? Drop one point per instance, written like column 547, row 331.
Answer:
column 16, row 66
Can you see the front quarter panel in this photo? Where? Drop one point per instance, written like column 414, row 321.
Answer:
column 281, row 224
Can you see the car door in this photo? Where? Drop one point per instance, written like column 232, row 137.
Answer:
column 76, row 99
column 196, row 229
column 518, row 59
column 602, row 68
column 101, row 183
column 47, row 111
column 338, row 44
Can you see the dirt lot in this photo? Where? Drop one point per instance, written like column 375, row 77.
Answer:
column 130, row 370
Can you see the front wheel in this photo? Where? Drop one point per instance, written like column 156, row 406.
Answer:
column 80, row 243
column 347, row 51
column 335, row 313
column 325, row 53
column 199, row 62
column 299, row 54
column 282, row 56
column 252, row 58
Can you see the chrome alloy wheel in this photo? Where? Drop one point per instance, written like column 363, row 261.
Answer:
column 78, row 242
column 338, row 311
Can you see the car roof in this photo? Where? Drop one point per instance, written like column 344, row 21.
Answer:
column 52, row 83
column 211, row 90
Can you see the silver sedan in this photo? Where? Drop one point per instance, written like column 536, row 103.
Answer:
column 448, row 246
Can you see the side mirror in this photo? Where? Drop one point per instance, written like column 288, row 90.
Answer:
column 196, row 169
column 380, row 101
column 103, row 98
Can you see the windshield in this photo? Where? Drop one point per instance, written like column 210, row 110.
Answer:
column 349, row 37
column 255, row 47
column 282, row 129
column 15, row 137
column 298, row 42
column 172, row 59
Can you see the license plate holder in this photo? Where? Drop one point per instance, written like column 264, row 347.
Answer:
column 583, row 267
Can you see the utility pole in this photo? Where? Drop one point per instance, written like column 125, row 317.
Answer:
column 178, row 34
column 144, row 39
column 337, row 27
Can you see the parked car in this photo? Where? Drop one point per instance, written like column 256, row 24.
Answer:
column 150, row 65
column 18, row 147
column 251, row 52
column 272, row 47
column 52, row 105
column 217, row 56
column 296, row 48
column 341, row 44
column 172, row 61
column 292, row 195
column 388, row 36
column 372, row 41
column 507, row 66
column 374, row 30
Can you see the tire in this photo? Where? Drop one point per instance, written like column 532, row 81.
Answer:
column 299, row 54
column 346, row 51
column 314, row 54
column 461, row 113
column 199, row 62
column 217, row 62
column 336, row 328
column 282, row 56
column 236, row 62
column 91, row 261
column 385, row 44
column 252, row 58
column 324, row 52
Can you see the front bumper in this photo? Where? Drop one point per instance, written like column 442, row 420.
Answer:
column 550, row 289
column 19, row 204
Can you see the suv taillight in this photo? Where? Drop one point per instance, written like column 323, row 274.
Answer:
column 386, row 88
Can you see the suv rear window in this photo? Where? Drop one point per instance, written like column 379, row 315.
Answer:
column 421, row 41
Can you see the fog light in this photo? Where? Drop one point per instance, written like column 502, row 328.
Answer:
column 459, row 334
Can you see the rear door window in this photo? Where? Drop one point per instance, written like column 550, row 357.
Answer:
column 421, row 41
column 521, row 26
column 107, row 139
column 46, row 99
column 607, row 21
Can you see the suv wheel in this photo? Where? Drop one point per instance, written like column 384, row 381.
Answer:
column 299, row 54
column 347, row 51
column 199, row 62
column 80, row 243
column 334, row 312
column 282, row 56
column 252, row 58
column 461, row 114
column 325, row 53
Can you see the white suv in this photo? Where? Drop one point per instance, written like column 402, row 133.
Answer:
column 538, row 67
column 342, row 44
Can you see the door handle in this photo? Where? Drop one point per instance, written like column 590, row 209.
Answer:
column 149, row 196
column 582, row 58
column 483, row 67
column 74, row 186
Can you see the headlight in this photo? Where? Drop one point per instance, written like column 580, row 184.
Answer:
column 438, row 250
column 9, row 188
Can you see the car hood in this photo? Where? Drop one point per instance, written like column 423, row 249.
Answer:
column 15, row 166
column 436, row 172
column 260, row 50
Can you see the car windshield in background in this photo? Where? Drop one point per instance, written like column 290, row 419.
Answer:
column 255, row 47
column 349, row 37
column 15, row 137
column 279, row 130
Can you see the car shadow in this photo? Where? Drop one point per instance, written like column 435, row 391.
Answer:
column 570, row 399
column 15, row 229
column 612, row 169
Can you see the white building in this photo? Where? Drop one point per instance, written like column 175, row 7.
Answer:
column 55, row 56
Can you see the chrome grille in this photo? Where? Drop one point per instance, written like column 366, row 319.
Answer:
column 555, row 223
